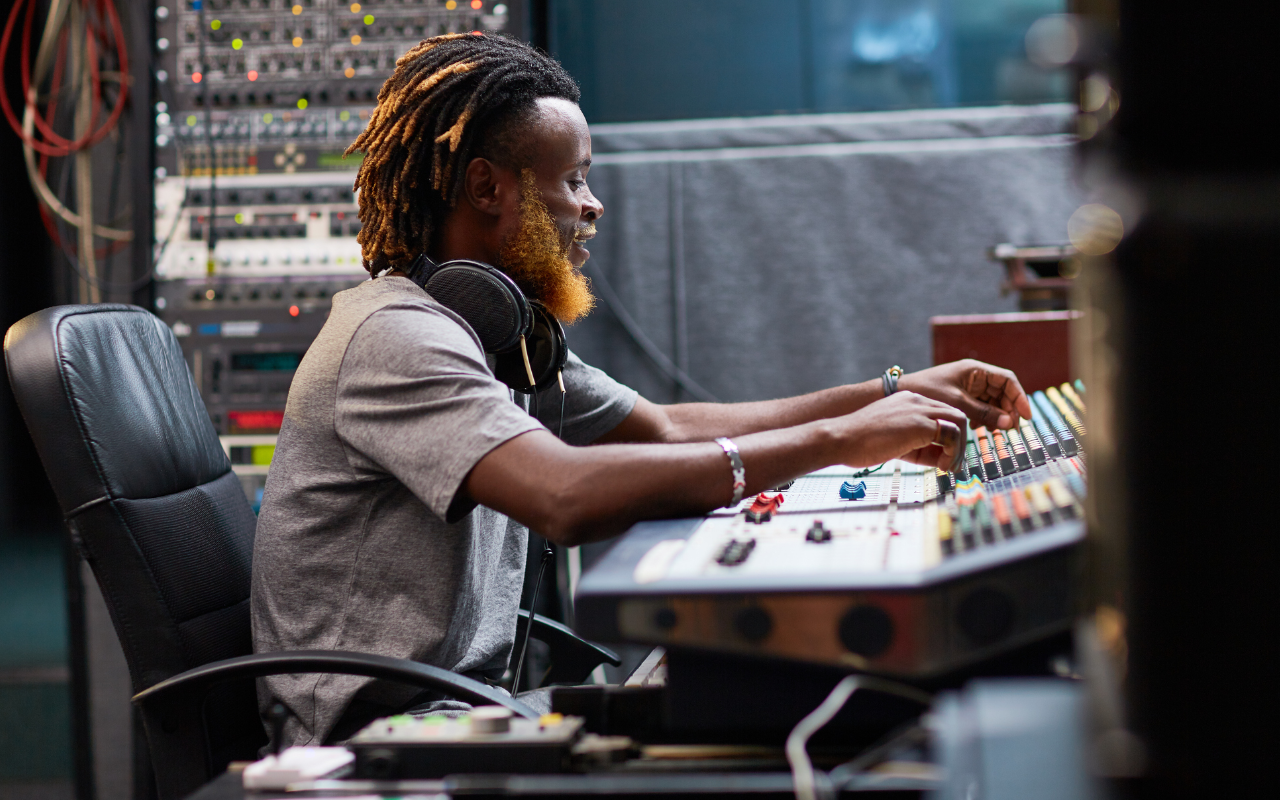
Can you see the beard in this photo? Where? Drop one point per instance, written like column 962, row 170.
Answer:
column 536, row 257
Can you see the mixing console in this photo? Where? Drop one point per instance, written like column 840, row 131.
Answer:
column 906, row 570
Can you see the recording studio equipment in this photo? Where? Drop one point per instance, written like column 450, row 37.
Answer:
column 916, row 574
column 255, row 215
column 488, row 739
column 527, row 340
column 1040, row 274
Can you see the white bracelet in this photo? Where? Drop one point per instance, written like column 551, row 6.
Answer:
column 739, row 471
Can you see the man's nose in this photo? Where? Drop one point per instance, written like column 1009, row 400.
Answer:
column 592, row 209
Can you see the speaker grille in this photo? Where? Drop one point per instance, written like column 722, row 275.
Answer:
column 482, row 300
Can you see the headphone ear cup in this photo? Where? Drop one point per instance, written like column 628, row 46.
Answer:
column 547, row 354
column 487, row 299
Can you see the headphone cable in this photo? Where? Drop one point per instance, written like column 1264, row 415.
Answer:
column 547, row 553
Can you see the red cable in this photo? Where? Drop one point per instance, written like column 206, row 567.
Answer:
column 55, row 84
column 51, row 107
column 122, row 56
column 4, row 94
column 24, row 66
column 61, row 146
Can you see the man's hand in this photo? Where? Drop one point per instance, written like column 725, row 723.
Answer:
column 904, row 425
column 989, row 395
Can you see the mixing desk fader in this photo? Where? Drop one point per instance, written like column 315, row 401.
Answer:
column 907, row 571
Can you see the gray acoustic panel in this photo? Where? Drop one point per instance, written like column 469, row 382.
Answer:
column 773, row 259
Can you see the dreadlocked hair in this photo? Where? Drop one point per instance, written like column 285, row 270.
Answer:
column 451, row 98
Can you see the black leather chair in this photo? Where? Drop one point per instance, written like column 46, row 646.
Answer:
column 151, row 503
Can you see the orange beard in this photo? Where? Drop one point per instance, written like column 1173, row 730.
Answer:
column 537, row 259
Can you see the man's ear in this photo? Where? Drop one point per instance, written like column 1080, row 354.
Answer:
column 486, row 185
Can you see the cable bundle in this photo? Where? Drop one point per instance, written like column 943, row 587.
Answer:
column 84, row 58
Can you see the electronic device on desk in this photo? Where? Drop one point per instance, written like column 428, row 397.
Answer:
column 487, row 740
column 906, row 572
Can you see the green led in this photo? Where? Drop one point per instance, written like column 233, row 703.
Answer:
column 236, row 44
column 267, row 118
column 302, row 102
column 239, row 219
column 368, row 19
column 344, row 116
column 261, row 454
column 217, row 23
column 191, row 120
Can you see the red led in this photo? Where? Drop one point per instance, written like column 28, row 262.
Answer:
column 196, row 77
column 253, row 75
column 294, row 311
column 477, row 4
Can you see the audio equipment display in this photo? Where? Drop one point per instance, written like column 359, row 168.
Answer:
column 253, row 86
column 255, row 214
column 907, row 571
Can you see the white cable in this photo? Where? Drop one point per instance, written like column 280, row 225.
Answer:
column 84, row 172
column 46, row 194
column 803, row 778
column 52, row 25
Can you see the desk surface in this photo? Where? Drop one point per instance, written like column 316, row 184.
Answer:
column 1014, row 739
column 613, row 784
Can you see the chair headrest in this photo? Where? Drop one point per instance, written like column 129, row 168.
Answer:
column 106, row 389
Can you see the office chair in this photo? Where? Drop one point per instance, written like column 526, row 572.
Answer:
column 151, row 503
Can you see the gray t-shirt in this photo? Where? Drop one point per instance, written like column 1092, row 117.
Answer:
column 362, row 542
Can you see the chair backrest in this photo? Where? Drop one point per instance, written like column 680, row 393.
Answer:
column 146, row 490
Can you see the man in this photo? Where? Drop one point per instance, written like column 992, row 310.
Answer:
column 395, row 519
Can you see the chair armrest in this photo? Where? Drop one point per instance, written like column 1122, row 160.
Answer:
column 572, row 657
column 194, row 682
column 172, row 709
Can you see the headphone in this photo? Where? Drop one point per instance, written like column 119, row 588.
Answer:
column 527, row 341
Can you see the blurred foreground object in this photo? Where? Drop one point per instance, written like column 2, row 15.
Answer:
column 1183, row 593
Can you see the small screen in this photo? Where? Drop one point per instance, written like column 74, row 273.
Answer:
column 339, row 161
column 265, row 362
column 254, row 421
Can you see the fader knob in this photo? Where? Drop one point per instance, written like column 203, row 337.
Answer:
column 866, row 631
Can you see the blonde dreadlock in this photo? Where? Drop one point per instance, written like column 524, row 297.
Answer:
column 451, row 98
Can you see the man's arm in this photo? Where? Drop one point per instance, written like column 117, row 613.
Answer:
column 573, row 495
column 988, row 395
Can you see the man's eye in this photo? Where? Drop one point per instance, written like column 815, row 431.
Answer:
column 577, row 184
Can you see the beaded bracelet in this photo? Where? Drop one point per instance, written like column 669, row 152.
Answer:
column 739, row 471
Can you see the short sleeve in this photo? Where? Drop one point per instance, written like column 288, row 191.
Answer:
column 416, row 401
column 594, row 403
